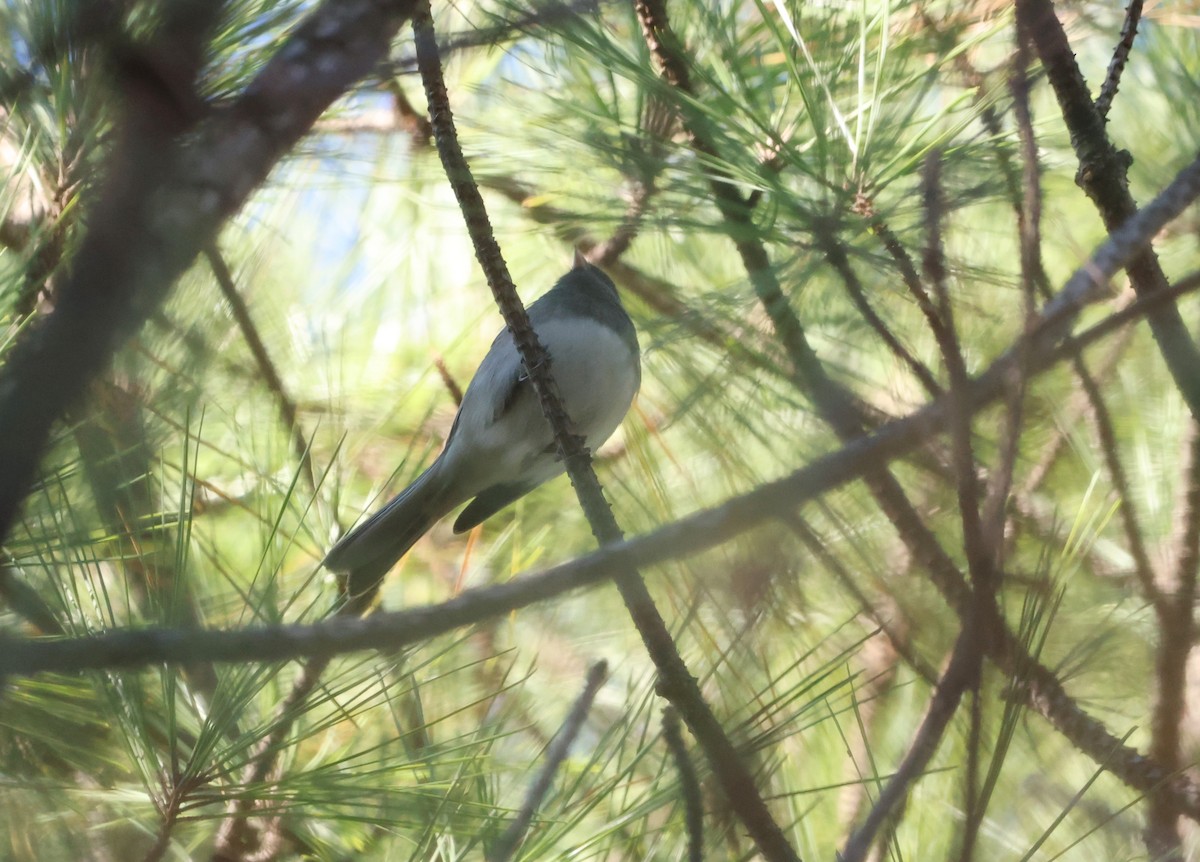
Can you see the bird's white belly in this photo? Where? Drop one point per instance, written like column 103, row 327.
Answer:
column 597, row 376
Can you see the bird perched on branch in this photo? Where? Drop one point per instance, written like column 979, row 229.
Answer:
column 501, row 446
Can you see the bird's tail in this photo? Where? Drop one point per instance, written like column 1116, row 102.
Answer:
column 366, row 553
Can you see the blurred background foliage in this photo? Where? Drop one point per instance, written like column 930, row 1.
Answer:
column 178, row 496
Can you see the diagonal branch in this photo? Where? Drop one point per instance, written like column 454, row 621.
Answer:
column 1103, row 176
column 173, row 180
column 556, row 753
column 675, row 681
column 1116, row 66
column 262, row 359
column 961, row 674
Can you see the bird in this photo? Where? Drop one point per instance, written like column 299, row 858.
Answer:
column 500, row 446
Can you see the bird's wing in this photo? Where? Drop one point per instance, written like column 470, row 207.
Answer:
column 497, row 383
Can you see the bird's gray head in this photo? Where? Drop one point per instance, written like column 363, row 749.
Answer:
column 585, row 291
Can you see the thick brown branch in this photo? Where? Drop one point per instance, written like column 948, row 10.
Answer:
column 171, row 184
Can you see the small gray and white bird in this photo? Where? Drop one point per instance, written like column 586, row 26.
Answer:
column 501, row 446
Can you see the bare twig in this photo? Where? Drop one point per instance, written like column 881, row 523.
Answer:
column 556, row 753
column 1112, row 79
column 262, row 359
column 689, row 785
column 1176, row 632
column 960, row 674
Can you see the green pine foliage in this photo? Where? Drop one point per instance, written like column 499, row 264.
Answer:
column 181, row 495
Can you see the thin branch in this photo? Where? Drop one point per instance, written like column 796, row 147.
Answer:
column 959, row 676
column 1139, row 308
column 1176, row 639
column 979, row 558
column 865, row 207
column 401, row 117
column 607, row 251
column 1029, row 229
column 262, row 359
column 452, row 387
column 236, row 838
column 557, row 752
column 657, row 125
column 408, row 117
column 1106, row 434
column 689, row 784
column 1116, row 66
column 675, row 682
column 858, row 296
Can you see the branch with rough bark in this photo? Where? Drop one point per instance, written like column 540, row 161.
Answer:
column 174, row 177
